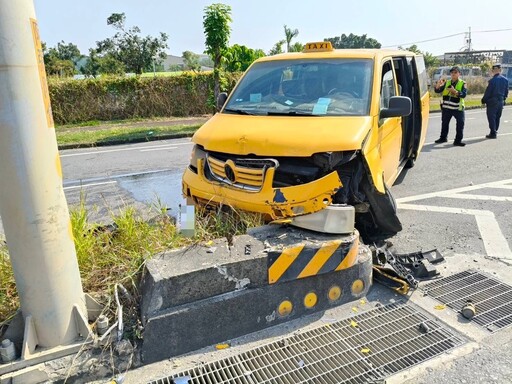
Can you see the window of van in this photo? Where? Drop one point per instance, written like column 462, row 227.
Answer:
column 320, row 87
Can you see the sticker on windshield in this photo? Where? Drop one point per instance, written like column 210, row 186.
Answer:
column 288, row 102
column 255, row 98
column 321, row 106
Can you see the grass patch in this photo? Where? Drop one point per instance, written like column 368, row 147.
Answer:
column 121, row 134
column 109, row 255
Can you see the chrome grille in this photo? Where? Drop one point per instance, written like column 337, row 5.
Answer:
column 249, row 174
column 492, row 298
column 384, row 341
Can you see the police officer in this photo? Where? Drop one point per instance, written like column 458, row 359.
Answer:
column 453, row 91
column 494, row 98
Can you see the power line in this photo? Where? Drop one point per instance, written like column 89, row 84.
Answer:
column 425, row 41
column 447, row 36
column 494, row 30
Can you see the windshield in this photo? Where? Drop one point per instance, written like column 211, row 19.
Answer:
column 326, row 87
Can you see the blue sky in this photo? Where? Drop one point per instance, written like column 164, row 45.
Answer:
column 259, row 24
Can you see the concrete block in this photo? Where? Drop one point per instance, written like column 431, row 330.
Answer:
column 194, row 273
column 217, row 319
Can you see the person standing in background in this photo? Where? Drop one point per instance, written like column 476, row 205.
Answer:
column 453, row 91
column 494, row 99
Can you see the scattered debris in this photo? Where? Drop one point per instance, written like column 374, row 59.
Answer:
column 424, row 328
column 365, row 350
column 440, row 307
column 222, row 346
column 468, row 310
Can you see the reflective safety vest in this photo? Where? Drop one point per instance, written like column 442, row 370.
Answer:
column 453, row 102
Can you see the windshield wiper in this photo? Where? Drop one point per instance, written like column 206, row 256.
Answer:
column 238, row 111
column 290, row 113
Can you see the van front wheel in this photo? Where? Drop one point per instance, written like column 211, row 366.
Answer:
column 410, row 162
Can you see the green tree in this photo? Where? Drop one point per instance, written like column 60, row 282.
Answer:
column 277, row 48
column 239, row 57
column 62, row 59
column 430, row 59
column 216, row 24
column 289, row 34
column 191, row 61
column 296, row 47
column 353, row 41
column 102, row 64
column 137, row 53
column 206, row 61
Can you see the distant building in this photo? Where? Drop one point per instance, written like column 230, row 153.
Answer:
column 477, row 57
column 172, row 62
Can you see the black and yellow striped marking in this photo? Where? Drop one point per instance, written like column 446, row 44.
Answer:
column 306, row 260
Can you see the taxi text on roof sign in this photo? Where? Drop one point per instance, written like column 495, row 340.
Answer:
column 320, row 46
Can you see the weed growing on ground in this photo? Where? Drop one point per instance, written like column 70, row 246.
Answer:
column 116, row 253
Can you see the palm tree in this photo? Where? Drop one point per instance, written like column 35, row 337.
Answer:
column 289, row 35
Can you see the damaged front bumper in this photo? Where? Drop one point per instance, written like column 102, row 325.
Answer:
column 276, row 203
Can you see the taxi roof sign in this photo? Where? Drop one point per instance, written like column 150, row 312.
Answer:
column 319, row 46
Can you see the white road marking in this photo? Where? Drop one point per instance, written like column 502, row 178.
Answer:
column 157, row 149
column 478, row 197
column 137, row 148
column 495, row 243
column 492, row 184
column 89, row 185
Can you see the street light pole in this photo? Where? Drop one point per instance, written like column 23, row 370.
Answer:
column 32, row 203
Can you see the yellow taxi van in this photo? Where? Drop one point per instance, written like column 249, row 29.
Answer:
column 315, row 138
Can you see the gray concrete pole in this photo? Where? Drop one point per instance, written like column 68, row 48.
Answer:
column 32, row 202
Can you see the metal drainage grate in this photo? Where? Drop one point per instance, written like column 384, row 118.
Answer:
column 492, row 298
column 361, row 349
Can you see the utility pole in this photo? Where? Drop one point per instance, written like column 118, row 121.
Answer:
column 469, row 40
column 32, row 203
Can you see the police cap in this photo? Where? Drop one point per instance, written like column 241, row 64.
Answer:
column 455, row 69
column 497, row 65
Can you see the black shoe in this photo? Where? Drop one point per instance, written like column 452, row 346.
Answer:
column 459, row 144
column 441, row 140
column 491, row 136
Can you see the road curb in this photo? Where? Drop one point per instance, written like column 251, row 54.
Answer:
column 120, row 142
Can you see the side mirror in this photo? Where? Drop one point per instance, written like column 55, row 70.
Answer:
column 221, row 99
column 398, row 106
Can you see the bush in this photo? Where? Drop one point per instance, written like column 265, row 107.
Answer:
column 475, row 86
column 114, row 98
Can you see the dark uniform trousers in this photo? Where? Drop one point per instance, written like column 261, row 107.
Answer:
column 494, row 110
column 446, row 116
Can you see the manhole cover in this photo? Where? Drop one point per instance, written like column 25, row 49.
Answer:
column 361, row 349
column 491, row 298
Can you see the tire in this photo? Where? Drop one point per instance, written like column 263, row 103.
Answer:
column 410, row 163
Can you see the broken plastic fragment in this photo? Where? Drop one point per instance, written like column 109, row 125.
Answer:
column 440, row 307
column 362, row 301
column 365, row 350
column 210, row 242
column 222, row 346
column 355, row 309
column 182, row 380
column 353, row 324
column 301, row 363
